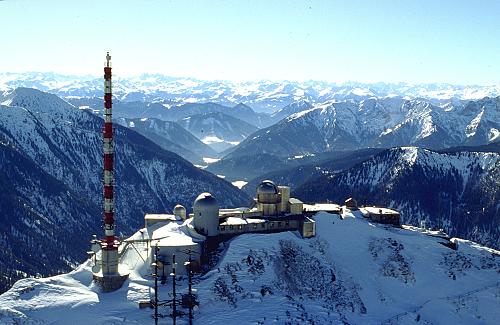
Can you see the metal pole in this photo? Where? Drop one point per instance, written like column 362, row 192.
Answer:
column 190, row 283
column 156, row 284
column 174, row 309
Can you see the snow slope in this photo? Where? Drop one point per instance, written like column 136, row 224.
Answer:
column 354, row 271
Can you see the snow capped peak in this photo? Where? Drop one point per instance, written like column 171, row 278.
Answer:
column 362, row 92
column 410, row 154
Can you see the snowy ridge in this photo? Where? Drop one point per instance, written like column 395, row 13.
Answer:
column 352, row 272
column 461, row 163
column 458, row 192
column 380, row 123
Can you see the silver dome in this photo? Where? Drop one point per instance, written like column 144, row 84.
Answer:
column 267, row 187
column 268, row 193
column 180, row 211
column 179, row 207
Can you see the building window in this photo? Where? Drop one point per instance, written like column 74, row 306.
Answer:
column 287, row 223
column 222, row 228
column 279, row 224
column 271, row 225
column 240, row 227
column 231, row 227
column 254, row 226
column 263, row 225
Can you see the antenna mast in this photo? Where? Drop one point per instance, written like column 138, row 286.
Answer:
column 109, row 277
column 110, row 242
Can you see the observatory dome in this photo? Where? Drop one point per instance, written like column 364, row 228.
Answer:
column 267, row 186
column 267, row 192
column 206, row 214
column 180, row 212
column 205, row 200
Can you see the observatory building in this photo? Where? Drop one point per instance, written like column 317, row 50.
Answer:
column 190, row 237
column 184, row 241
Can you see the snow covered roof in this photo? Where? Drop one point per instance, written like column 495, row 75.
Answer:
column 379, row 210
column 234, row 221
column 160, row 217
column 169, row 234
column 239, row 212
column 329, row 207
column 173, row 234
column 231, row 221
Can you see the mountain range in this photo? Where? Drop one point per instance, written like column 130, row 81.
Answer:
column 377, row 122
column 303, row 169
column 262, row 96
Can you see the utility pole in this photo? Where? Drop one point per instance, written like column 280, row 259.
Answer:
column 155, row 264
column 190, row 297
column 174, row 309
column 190, row 286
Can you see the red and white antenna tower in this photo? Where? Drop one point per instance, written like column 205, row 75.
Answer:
column 110, row 242
column 107, row 274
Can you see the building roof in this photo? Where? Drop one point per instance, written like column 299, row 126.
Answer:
column 293, row 200
column 267, row 187
column 205, row 200
column 169, row 234
column 328, row 207
column 173, row 235
column 380, row 210
column 232, row 221
column 160, row 217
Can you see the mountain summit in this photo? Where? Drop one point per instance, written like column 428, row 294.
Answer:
column 353, row 272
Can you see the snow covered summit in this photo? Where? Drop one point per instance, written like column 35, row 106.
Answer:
column 353, row 271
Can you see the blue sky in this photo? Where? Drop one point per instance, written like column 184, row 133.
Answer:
column 413, row 41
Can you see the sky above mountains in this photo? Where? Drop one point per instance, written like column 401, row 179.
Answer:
column 367, row 41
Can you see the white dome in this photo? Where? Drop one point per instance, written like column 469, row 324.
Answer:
column 205, row 200
column 206, row 215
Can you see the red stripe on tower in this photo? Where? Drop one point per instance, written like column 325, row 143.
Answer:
column 110, row 242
